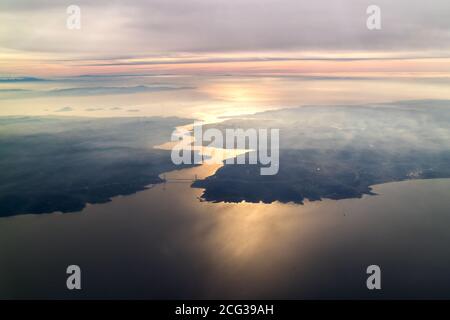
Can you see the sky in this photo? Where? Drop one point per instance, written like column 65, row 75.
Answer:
column 223, row 36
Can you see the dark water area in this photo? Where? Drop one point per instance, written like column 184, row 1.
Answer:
column 165, row 243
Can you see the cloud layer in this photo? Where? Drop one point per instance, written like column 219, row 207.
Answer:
column 170, row 26
column 219, row 31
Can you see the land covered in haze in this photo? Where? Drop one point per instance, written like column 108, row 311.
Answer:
column 338, row 152
column 50, row 164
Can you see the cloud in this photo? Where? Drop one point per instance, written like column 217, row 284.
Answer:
column 15, row 90
column 65, row 109
column 170, row 26
column 87, row 91
column 19, row 79
column 292, row 58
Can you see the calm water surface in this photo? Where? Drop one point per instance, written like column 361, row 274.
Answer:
column 165, row 243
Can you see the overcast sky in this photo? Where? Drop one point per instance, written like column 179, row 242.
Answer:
column 116, row 32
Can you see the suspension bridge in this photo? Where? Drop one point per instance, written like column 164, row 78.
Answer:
column 178, row 180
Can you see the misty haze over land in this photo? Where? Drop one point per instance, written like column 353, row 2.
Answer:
column 338, row 152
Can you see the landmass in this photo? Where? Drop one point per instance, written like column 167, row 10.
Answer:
column 59, row 164
column 339, row 152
